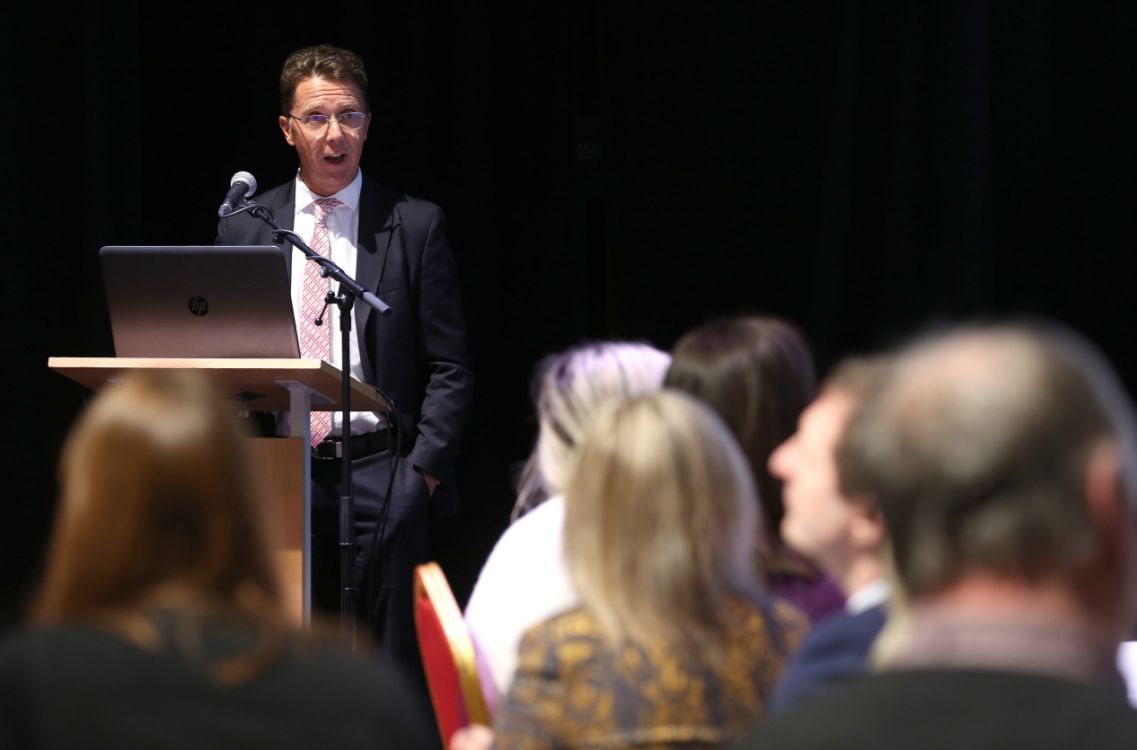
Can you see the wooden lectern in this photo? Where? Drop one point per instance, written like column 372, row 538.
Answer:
column 282, row 465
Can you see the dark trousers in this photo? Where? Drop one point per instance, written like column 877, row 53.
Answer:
column 383, row 569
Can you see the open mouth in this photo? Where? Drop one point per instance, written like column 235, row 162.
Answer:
column 335, row 159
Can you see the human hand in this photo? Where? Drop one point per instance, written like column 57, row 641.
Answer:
column 473, row 737
column 431, row 481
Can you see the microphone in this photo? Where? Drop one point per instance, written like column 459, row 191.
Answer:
column 241, row 186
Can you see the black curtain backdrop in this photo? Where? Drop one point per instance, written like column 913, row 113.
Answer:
column 862, row 168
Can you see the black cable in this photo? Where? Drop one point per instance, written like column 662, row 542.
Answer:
column 372, row 570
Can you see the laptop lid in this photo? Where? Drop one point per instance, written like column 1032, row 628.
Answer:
column 199, row 301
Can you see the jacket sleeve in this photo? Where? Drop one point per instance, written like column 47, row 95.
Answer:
column 441, row 341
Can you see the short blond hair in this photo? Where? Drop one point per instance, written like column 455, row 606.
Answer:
column 661, row 521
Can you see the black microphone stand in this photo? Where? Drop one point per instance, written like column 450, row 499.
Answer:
column 349, row 291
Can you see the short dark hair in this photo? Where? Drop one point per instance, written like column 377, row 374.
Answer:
column 856, row 378
column 321, row 61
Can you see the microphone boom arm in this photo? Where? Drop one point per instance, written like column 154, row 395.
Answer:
column 327, row 266
column 350, row 290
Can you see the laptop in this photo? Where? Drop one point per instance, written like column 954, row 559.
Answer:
column 199, row 301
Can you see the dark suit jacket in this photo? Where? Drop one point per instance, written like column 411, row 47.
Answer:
column 942, row 709
column 75, row 686
column 417, row 356
column 834, row 652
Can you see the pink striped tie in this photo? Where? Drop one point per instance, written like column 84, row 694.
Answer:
column 316, row 341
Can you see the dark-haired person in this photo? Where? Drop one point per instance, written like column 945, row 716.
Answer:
column 396, row 246
column 757, row 373
column 844, row 535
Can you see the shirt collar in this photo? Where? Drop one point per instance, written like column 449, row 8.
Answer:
column 867, row 597
column 1064, row 648
column 349, row 196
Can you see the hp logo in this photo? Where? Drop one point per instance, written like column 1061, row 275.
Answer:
column 198, row 306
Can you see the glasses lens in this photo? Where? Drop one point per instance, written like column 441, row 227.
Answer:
column 314, row 122
column 351, row 119
column 346, row 120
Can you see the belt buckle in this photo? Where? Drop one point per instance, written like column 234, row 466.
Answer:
column 329, row 450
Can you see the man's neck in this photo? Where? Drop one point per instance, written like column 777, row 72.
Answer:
column 992, row 622
column 998, row 597
column 318, row 190
column 863, row 570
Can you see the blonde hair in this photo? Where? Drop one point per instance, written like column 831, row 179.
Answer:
column 661, row 522
column 157, row 506
column 571, row 387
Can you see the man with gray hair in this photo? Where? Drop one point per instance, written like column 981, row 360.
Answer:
column 1002, row 460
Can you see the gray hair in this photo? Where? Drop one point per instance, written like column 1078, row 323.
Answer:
column 976, row 448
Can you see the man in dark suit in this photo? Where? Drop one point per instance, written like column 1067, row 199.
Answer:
column 843, row 535
column 1003, row 460
column 395, row 246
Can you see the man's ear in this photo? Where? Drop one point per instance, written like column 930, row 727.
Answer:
column 1113, row 571
column 1105, row 490
column 286, row 128
column 866, row 524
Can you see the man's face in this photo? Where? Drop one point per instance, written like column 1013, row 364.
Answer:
column 817, row 517
column 329, row 154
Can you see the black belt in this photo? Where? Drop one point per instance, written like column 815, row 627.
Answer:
column 331, row 449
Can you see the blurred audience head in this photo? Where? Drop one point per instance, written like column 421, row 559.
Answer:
column 844, row 534
column 1004, row 451
column 660, row 520
column 570, row 388
column 156, row 504
column 757, row 373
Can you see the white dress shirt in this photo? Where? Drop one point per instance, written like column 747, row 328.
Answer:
column 343, row 233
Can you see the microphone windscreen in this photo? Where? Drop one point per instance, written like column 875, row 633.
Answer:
column 246, row 178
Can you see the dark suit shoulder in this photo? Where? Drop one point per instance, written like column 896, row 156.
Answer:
column 283, row 193
column 245, row 229
column 374, row 192
column 847, row 631
column 954, row 708
column 832, row 654
column 64, row 677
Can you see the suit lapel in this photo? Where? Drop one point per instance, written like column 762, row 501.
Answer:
column 283, row 207
column 378, row 221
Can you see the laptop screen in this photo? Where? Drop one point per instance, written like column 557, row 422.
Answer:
column 199, row 301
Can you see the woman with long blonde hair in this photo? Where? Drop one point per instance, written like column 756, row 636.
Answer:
column 674, row 643
column 524, row 579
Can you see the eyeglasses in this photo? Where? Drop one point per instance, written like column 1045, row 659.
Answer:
column 316, row 123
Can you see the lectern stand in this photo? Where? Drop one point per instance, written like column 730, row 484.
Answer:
column 282, row 465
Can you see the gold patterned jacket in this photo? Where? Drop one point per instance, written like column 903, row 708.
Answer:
column 573, row 690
